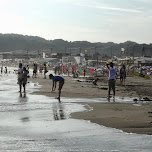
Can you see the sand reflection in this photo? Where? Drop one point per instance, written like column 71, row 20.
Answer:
column 59, row 112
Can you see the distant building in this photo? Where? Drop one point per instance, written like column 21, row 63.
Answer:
column 147, row 52
column 73, row 59
column 143, row 61
column 57, row 55
column 126, row 61
column 14, row 56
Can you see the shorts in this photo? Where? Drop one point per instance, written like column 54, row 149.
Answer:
column 122, row 76
column 45, row 71
column 61, row 83
column 34, row 71
column 20, row 81
column 112, row 85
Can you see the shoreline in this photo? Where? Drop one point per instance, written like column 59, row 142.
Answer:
column 115, row 115
column 123, row 116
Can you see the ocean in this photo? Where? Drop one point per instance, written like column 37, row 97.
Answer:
column 37, row 123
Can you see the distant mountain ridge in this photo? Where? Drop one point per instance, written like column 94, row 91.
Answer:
column 15, row 42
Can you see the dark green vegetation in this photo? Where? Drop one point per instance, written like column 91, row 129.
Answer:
column 15, row 42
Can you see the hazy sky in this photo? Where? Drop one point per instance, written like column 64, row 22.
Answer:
column 77, row 20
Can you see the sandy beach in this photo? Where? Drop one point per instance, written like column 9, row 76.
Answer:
column 128, row 117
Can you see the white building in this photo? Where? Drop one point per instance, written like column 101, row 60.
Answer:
column 73, row 60
column 143, row 61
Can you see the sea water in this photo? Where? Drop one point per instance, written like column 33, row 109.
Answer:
column 39, row 123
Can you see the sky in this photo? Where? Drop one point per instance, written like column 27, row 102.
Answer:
column 79, row 20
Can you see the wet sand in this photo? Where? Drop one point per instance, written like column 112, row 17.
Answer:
column 128, row 117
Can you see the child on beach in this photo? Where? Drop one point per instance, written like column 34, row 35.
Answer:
column 61, row 83
column 40, row 70
column 84, row 72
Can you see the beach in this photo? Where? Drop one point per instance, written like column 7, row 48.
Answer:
column 38, row 122
column 134, row 117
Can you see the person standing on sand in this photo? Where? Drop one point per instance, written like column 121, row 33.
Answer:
column 28, row 71
column 111, row 79
column 5, row 70
column 84, row 72
column 61, row 83
column 122, row 75
column 45, row 71
column 34, row 70
column 25, row 73
column 20, row 78
column 1, row 70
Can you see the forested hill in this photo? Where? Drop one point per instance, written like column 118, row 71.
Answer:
column 15, row 42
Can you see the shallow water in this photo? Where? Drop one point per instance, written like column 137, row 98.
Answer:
column 40, row 123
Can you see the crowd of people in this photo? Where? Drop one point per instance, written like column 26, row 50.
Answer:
column 112, row 73
column 143, row 70
column 110, row 70
column 23, row 74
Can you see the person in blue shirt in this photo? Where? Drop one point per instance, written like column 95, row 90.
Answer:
column 56, row 79
column 111, row 79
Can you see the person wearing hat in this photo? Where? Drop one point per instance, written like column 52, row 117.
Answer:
column 111, row 79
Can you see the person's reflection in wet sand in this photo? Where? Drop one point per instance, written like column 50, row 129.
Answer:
column 58, row 112
column 23, row 99
column 25, row 119
column 111, row 99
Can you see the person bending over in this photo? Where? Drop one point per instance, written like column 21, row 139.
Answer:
column 56, row 79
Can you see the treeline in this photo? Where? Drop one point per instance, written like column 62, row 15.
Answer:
column 16, row 42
